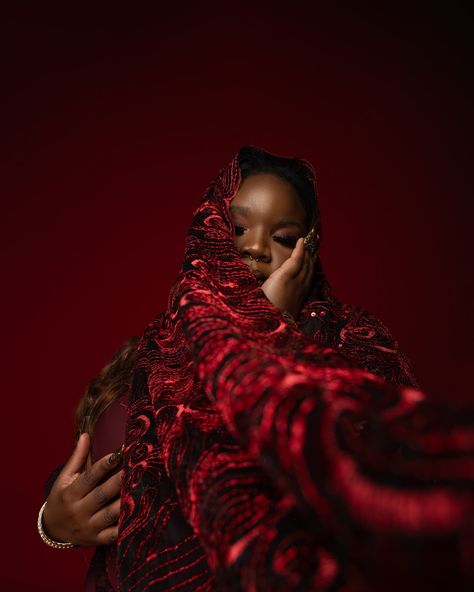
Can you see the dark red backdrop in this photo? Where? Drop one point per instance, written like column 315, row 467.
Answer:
column 115, row 123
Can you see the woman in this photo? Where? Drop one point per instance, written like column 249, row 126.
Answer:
column 202, row 509
column 245, row 437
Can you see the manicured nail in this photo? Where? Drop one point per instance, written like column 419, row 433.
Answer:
column 116, row 456
column 310, row 241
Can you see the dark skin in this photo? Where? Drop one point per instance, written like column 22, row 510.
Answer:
column 270, row 223
column 82, row 508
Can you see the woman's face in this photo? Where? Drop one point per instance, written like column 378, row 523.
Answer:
column 268, row 218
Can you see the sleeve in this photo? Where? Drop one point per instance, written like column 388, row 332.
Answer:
column 299, row 415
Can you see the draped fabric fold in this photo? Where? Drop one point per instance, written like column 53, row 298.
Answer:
column 264, row 454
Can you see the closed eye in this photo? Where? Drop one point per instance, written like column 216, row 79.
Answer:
column 286, row 241
column 238, row 230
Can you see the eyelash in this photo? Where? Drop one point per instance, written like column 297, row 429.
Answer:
column 286, row 241
column 289, row 242
column 239, row 230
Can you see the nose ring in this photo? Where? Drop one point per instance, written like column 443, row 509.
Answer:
column 257, row 259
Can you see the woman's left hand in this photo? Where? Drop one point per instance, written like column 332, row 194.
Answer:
column 82, row 507
column 288, row 286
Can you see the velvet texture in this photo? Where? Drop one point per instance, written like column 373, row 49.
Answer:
column 264, row 454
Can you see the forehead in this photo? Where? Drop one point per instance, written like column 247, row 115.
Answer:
column 267, row 194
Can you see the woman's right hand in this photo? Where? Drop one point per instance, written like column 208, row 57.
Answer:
column 288, row 286
column 81, row 507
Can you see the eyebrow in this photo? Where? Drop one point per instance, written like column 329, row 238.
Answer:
column 280, row 222
column 285, row 222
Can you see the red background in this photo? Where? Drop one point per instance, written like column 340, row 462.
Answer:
column 115, row 122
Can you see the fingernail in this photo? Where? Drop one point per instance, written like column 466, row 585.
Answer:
column 116, row 456
column 310, row 241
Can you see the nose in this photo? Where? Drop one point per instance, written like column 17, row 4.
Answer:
column 256, row 247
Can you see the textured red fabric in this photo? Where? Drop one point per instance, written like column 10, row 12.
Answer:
column 263, row 454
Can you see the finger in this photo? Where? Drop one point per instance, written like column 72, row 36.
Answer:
column 102, row 494
column 108, row 536
column 299, row 250
column 106, row 517
column 292, row 266
column 311, row 256
column 304, row 277
column 92, row 476
column 306, row 266
column 77, row 459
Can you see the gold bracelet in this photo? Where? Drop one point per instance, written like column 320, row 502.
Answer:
column 45, row 538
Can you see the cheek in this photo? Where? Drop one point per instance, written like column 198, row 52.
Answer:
column 279, row 256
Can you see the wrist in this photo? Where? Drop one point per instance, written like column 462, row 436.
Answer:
column 44, row 537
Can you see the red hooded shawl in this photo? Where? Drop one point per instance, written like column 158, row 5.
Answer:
column 267, row 455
